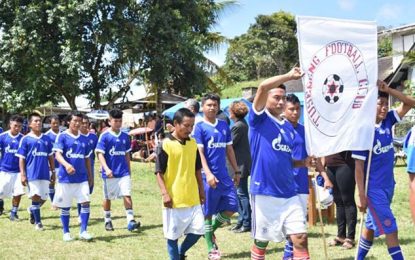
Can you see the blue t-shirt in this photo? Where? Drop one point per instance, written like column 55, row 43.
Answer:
column 381, row 167
column 8, row 149
column 53, row 136
column 92, row 141
column 271, row 142
column 35, row 150
column 299, row 152
column 214, row 138
column 74, row 149
column 115, row 148
column 409, row 146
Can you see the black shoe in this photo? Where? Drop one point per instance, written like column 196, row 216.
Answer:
column 108, row 226
column 1, row 207
column 243, row 230
column 182, row 257
column 1, row 211
column 236, row 227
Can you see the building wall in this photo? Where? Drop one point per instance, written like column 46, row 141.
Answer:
column 401, row 42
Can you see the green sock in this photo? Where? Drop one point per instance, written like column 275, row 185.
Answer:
column 208, row 234
column 219, row 220
column 261, row 244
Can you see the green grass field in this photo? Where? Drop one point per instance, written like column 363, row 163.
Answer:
column 19, row 240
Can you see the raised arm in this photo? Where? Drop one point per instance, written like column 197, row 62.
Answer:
column 407, row 102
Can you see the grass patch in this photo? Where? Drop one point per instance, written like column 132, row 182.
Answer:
column 20, row 240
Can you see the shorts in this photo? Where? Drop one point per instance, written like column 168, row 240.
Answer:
column 275, row 218
column 66, row 192
column 304, row 203
column 380, row 218
column 116, row 188
column 39, row 188
column 183, row 221
column 10, row 185
column 220, row 199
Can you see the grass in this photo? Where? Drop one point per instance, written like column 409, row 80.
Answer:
column 20, row 240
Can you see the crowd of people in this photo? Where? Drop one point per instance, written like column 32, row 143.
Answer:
column 198, row 191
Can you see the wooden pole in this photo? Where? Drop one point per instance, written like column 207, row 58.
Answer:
column 320, row 216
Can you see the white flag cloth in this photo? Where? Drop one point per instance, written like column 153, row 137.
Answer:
column 339, row 59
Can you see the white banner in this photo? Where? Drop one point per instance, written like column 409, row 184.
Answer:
column 339, row 59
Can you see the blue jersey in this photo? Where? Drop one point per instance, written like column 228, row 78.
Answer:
column 8, row 149
column 409, row 146
column 271, row 143
column 115, row 148
column 53, row 136
column 381, row 167
column 35, row 150
column 92, row 141
column 74, row 149
column 214, row 138
column 299, row 152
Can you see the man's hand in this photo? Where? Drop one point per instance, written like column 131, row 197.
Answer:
column 24, row 179
column 362, row 203
column 327, row 183
column 91, row 182
column 70, row 169
column 109, row 173
column 382, row 86
column 295, row 73
column 168, row 203
column 53, row 178
column 212, row 181
column 236, row 178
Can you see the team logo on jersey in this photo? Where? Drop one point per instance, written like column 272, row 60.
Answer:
column 212, row 144
column 379, row 149
column 36, row 153
column 278, row 146
column 328, row 88
column 115, row 152
column 70, row 154
column 123, row 141
column 264, row 230
column 8, row 149
column 387, row 222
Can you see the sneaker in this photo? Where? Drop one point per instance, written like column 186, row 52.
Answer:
column 39, row 227
column 32, row 217
column 214, row 255
column 108, row 226
column 85, row 236
column 133, row 225
column 182, row 257
column 14, row 217
column 67, row 237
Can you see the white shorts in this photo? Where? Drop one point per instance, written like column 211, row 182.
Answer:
column 38, row 187
column 183, row 221
column 304, row 203
column 275, row 218
column 116, row 188
column 10, row 185
column 66, row 192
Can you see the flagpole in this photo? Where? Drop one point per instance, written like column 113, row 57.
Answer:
column 320, row 216
column 363, row 213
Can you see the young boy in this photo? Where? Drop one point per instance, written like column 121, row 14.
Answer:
column 113, row 150
column 52, row 133
column 214, row 141
column 179, row 178
column 380, row 219
column 10, row 180
column 75, row 178
column 34, row 152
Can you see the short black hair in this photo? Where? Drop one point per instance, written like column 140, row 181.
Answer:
column 383, row 94
column 211, row 96
column 73, row 114
column 181, row 114
column 116, row 113
column 16, row 118
column 32, row 115
column 282, row 86
column 292, row 99
column 54, row 117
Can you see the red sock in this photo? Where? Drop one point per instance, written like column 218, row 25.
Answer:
column 301, row 254
column 257, row 254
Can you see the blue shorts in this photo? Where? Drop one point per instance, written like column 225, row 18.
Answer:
column 222, row 198
column 380, row 218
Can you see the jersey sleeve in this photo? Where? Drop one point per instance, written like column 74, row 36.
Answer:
column 101, row 145
column 360, row 155
column 256, row 117
column 59, row 144
column 393, row 117
column 161, row 159
column 198, row 135
column 22, row 150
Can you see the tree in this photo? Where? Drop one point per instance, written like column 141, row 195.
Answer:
column 268, row 47
column 384, row 46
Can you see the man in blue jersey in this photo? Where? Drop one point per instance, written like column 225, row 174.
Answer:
column 74, row 176
column 52, row 133
column 277, row 210
column 10, row 181
column 35, row 162
column 214, row 141
column 380, row 219
column 113, row 151
column 92, row 142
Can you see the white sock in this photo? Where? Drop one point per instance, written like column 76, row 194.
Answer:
column 130, row 215
column 107, row 215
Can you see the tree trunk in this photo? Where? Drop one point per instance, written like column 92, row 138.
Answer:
column 159, row 105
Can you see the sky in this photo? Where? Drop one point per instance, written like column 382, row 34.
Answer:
column 236, row 20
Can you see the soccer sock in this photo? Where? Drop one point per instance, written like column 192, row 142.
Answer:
column 51, row 193
column 395, row 253
column 36, row 211
column 301, row 254
column 208, row 234
column 219, row 220
column 130, row 215
column 84, row 217
column 258, row 250
column 188, row 242
column 14, row 210
column 79, row 209
column 107, row 215
column 288, row 250
column 364, row 247
column 65, row 215
column 173, row 249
